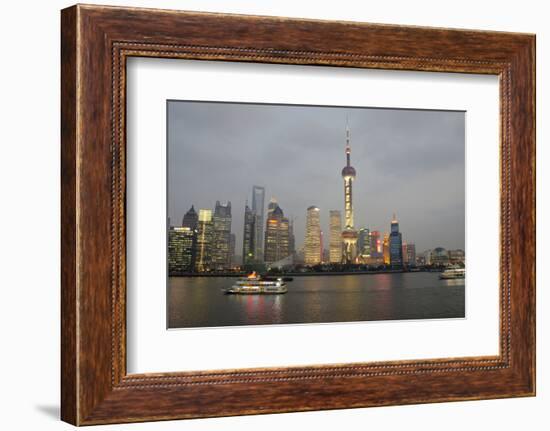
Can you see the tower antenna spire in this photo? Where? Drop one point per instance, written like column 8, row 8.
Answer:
column 348, row 143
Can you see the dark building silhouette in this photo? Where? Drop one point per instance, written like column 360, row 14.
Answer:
column 190, row 219
column 248, row 235
column 258, row 201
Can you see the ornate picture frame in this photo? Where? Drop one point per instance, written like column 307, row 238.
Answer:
column 96, row 41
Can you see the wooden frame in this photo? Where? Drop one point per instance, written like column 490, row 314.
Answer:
column 96, row 41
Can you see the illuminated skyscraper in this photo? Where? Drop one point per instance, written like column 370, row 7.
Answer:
column 375, row 243
column 312, row 244
column 335, row 236
column 204, row 240
column 191, row 221
column 363, row 243
column 248, row 235
column 386, row 249
column 258, row 198
column 349, row 234
column 181, row 246
column 396, row 244
column 276, row 236
column 322, row 246
column 221, row 222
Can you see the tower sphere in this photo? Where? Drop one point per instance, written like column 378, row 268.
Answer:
column 348, row 172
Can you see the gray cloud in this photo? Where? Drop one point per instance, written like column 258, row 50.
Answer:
column 411, row 162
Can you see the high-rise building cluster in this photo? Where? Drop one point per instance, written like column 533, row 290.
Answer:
column 348, row 245
column 204, row 241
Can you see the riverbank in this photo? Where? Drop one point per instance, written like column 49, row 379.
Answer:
column 302, row 274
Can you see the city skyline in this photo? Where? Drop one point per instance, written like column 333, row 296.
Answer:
column 426, row 224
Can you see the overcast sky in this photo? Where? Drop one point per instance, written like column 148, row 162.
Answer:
column 411, row 162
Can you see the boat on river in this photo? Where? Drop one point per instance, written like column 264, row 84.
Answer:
column 255, row 284
column 453, row 273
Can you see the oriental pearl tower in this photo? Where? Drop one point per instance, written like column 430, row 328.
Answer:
column 349, row 234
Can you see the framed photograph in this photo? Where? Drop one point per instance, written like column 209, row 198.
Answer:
column 264, row 214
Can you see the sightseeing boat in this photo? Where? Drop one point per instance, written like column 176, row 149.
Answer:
column 453, row 273
column 255, row 284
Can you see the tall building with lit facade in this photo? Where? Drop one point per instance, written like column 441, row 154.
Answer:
column 249, row 230
column 191, row 221
column 375, row 243
column 312, row 244
column 205, row 235
column 181, row 247
column 221, row 223
column 349, row 234
column 277, row 232
column 386, row 249
column 258, row 200
column 396, row 244
column 335, row 236
column 363, row 243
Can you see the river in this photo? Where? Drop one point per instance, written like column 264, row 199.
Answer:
column 199, row 302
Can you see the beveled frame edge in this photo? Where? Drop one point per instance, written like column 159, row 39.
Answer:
column 96, row 41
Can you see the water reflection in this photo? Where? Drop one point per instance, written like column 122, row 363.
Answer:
column 199, row 302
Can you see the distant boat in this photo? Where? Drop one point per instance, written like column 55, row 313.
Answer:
column 254, row 284
column 453, row 273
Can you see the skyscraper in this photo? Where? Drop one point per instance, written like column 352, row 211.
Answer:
column 271, row 206
column 204, row 240
column 349, row 235
column 312, row 244
column 291, row 238
column 375, row 243
column 396, row 244
column 322, row 246
column 232, row 243
column 276, row 236
column 411, row 254
column 248, row 235
column 363, row 243
column 181, row 247
column 386, row 249
column 190, row 219
column 221, row 222
column 335, row 236
column 258, row 197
